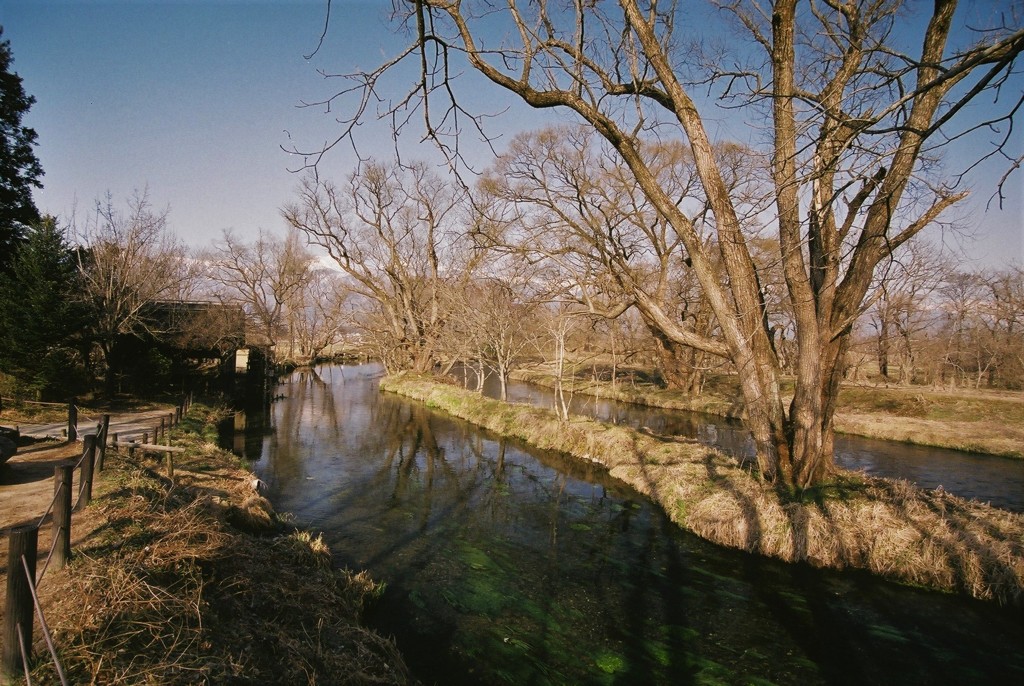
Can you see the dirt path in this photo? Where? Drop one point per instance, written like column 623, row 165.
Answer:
column 26, row 480
column 26, row 489
column 126, row 425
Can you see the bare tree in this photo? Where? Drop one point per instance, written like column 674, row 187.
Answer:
column 395, row 232
column 626, row 340
column 318, row 319
column 904, row 311
column 564, row 322
column 855, row 122
column 499, row 317
column 267, row 278
column 981, row 334
column 129, row 261
column 562, row 197
column 1007, row 295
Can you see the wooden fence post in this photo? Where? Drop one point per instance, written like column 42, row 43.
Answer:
column 102, row 444
column 62, row 479
column 72, row 421
column 177, row 415
column 88, row 461
column 22, row 541
column 163, row 427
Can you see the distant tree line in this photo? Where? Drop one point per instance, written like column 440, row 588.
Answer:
column 117, row 303
column 938, row 325
column 515, row 270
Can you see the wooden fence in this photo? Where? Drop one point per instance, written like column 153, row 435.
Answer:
column 23, row 606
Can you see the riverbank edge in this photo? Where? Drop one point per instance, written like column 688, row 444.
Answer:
column 196, row 576
column 890, row 528
column 971, row 437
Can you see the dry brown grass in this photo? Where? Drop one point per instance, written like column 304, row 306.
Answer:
column 930, row 539
column 984, row 421
column 168, row 590
column 991, row 437
column 715, row 400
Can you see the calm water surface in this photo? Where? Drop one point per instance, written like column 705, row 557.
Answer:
column 505, row 564
column 990, row 479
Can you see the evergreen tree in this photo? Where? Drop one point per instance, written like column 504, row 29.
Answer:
column 19, row 168
column 41, row 318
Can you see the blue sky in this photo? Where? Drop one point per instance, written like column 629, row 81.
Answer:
column 195, row 99
column 192, row 100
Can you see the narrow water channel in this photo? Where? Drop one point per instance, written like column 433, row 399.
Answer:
column 990, row 479
column 508, row 565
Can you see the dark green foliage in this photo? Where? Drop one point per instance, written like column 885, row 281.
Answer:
column 41, row 316
column 19, row 168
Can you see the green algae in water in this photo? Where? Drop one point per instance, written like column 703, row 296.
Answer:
column 484, row 588
column 756, row 654
column 476, row 559
column 757, row 681
column 610, row 663
column 736, row 597
column 676, row 632
column 484, row 595
column 708, row 672
column 416, row 599
column 513, row 659
column 795, row 603
column 888, row 633
column 721, row 578
column 659, row 652
column 674, row 641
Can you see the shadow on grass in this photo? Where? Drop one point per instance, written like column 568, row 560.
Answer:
column 835, row 525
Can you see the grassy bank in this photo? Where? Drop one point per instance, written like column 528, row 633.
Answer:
column 929, row 539
column 195, row 579
column 989, row 422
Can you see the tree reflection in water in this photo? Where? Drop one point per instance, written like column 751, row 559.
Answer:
column 508, row 564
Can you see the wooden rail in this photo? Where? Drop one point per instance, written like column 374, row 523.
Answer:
column 22, row 582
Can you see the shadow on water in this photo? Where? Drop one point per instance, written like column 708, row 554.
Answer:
column 505, row 564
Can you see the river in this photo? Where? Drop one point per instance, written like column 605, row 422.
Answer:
column 990, row 479
column 505, row 564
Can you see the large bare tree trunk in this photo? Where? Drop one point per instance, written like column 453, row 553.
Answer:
column 680, row 365
column 850, row 112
